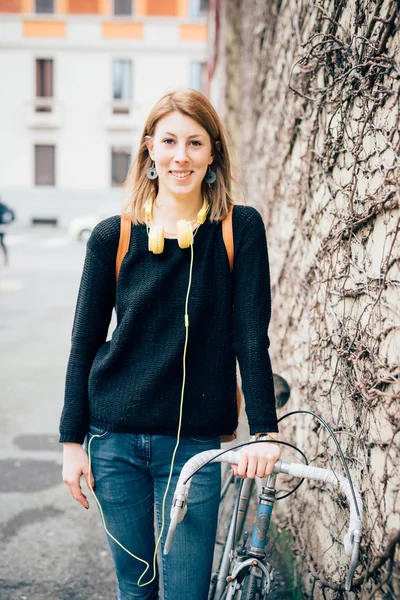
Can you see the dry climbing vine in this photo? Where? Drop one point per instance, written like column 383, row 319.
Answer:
column 320, row 111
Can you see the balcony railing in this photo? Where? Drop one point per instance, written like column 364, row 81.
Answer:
column 121, row 107
column 44, row 113
column 44, row 104
column 121, row 115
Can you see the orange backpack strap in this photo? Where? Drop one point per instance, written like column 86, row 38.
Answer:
column 125, row 236
column 124, row 239
column 227, row 234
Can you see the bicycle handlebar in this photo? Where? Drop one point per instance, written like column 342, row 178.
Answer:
column 352, row 538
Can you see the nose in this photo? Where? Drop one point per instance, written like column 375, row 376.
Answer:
column 181, row 153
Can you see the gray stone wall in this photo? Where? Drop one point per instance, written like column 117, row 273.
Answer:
column 312, row 104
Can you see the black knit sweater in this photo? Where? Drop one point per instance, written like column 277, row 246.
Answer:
column 132, row 383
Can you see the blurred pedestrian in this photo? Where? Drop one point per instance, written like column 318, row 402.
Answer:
column 6, row 217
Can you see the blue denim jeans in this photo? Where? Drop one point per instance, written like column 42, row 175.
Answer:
column 131, row 473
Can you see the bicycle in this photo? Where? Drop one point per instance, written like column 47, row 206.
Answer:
column 244, row 573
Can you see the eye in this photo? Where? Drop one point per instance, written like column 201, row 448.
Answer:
column 168, row 140
column 196, row 142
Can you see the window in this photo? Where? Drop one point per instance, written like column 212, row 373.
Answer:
column 45, row 165
column 120, row 161
column 122, row 85
column 44, row 84
column 122, row 7
column 198, row 8
column 198, row 76
column 45, row 6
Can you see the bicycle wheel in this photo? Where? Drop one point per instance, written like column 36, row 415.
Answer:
column 249, row 587
column 225, row 510
column 226, row 506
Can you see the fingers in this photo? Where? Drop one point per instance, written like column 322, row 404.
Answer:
column 262, row 464
column 251, row 466
column 242, row 466
column 271, row 460
column 75, row 464
column 257, row 462
column 269, row 468
column 74, row 487
column 89, row 482
column 76, row 492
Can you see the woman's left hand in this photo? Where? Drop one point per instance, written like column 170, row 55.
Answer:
column 257, row 460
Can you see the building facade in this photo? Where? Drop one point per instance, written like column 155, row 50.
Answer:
column 78, row 79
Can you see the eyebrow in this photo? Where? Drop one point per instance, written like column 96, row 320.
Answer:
column 190, row 136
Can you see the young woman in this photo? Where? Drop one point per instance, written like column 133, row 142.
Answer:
column 167, row 377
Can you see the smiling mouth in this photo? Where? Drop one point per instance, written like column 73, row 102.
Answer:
column 180, row 174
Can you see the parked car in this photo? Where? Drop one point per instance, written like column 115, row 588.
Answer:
column 81, row 227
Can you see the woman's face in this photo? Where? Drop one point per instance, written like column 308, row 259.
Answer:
column 181, row 150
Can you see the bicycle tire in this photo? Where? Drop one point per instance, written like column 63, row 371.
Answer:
column 225, row 509
column 225, row 516
column 249, row 587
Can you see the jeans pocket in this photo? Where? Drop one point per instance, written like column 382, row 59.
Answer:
column 206, row 440
column 97, row 432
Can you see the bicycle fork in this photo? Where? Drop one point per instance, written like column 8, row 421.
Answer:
column 252, row 561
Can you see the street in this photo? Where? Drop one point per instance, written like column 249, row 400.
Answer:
column 50, row 546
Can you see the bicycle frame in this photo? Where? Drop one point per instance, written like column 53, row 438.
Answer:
column 244, row 560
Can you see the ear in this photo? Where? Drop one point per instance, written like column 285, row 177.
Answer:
column 149, row 144
column 218, row 147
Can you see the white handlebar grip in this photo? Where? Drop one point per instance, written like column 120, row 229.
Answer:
column 179, row 502
column 328, row 476
column 199, row 460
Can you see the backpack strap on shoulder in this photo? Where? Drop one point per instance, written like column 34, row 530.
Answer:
column 124, row 239
column 125, row 236
column 227, row 234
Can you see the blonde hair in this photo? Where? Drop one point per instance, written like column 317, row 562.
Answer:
column 189, row 102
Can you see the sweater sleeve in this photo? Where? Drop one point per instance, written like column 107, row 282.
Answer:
column 252, row 313
column 93, row 311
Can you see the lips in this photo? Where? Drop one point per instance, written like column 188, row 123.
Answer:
column 181, row 174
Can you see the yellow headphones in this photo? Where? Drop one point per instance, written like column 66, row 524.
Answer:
column 184, row 228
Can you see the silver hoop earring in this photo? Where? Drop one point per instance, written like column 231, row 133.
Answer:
column 152, row 172
column 210, row 176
